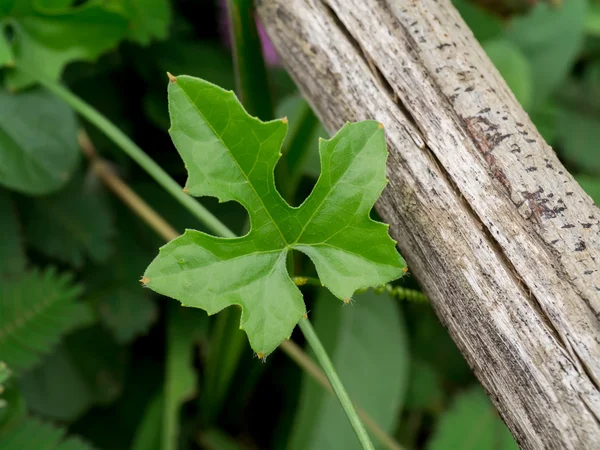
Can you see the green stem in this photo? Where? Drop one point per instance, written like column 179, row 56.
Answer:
column 138, row 155
column 336, row 383
column 250, row 72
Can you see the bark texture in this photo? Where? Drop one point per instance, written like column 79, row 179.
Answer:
column 501, row 237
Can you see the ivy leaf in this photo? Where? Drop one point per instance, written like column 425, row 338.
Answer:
column 50, row 34
column 231, row 155
column 38, row 142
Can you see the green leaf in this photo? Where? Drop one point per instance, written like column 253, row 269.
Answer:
column 149, row 19
column 367, row 343
column 514, row 68
column 147, row 435
column 471, row 423
column 36, row 310
column 483, row 24
column 126, row 310
column 227, row 344
column 551, row 38
column 87, row 369
column 184, row 328
column 232, row 156
column 12, row 253
column 591, row 186
column 425, row 388
column 50, row 34
column 6, row 56
column 33, row 434
column 300, row 150
column 38, row 142
column 71, row 224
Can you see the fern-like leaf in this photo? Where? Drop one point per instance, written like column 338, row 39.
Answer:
column 33, row 434
column 36, row 310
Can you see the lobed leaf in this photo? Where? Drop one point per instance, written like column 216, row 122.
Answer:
column 232, row 156
column 36, row 310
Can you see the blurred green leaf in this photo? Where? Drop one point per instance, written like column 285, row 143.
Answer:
column 50, row 34
column 592, row 19
column 149, row 19
column 367, row 344
column 38, row 142
column 591, row 185
column 551, row 38
column 12, row 253
column 125, row 309
column 578, row 122
column 300, row 147
column 544, row 118
column 6, row 55
column 483, row 24
column 227, row 342
column 87, row 369
column 214, row 439
column 514, row 68
column 33, row 434
column 37, row 310
column 71, row 224
column 147, row 435
column 424, row 388
column 471, row 423
column 185, row 326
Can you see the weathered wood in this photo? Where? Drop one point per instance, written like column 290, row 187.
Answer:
column 503, row 240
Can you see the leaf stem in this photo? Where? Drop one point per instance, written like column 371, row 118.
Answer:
column 336, row 383
column 137, row 154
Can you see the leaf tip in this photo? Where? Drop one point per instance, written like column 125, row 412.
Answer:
column 261, row 356
column 172, row 79
column 284, row 120
column 347, row 301
column 145, row 280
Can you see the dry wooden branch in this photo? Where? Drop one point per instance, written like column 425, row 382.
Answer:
column 503, row 240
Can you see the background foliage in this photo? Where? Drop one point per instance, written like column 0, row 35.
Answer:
column 92, row 360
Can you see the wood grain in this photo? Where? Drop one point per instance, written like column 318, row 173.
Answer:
column 503, row 240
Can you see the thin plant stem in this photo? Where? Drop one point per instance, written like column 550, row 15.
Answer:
column 336, row 384
column 167, row 232
column 138, row 155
